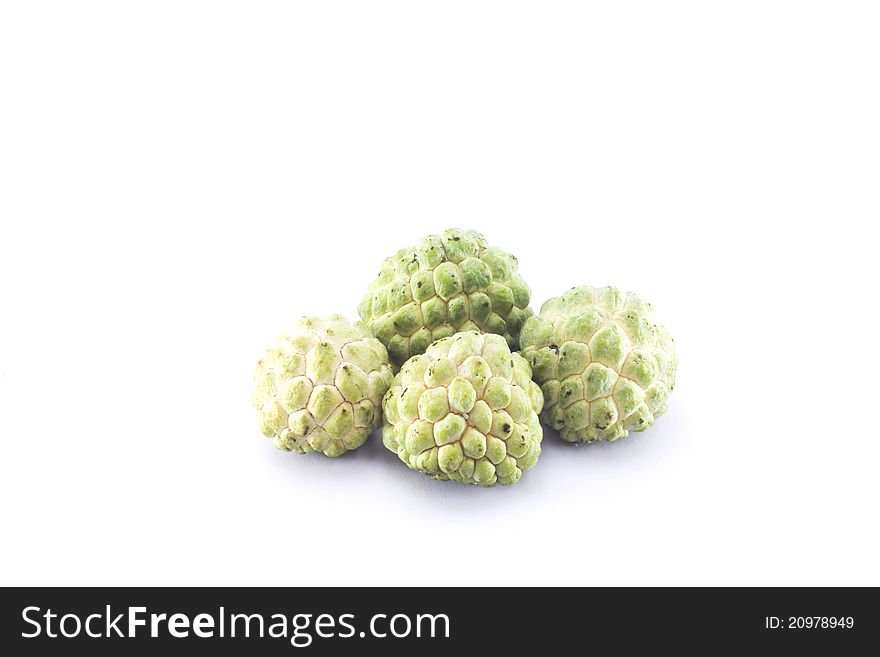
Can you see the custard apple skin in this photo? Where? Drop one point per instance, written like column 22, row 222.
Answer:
column 320, row 388
column 605, row 367
column 441, row 286
column 466, row 410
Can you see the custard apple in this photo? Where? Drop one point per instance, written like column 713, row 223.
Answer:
column 466, row 410
column 319, row 389
column 605, row 367
column 441, row 286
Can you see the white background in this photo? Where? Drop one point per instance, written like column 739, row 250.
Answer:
column 179, row 181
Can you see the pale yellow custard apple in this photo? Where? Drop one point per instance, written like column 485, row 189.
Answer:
column 604, row 365
column 466, row 410
column 319, row 389
column 443, row 285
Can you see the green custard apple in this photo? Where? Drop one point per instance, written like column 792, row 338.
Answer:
column 441, row 286
column 320, row 388
column 466, row 410
column 604, row 365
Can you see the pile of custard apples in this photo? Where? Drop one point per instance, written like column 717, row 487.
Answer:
column 453, row 365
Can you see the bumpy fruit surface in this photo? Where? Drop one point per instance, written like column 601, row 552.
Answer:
column 466, row 410
column 444, row 285
column 319, row 389
column 604, row 365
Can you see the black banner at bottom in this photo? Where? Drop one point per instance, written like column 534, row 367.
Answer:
column 430, row 621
